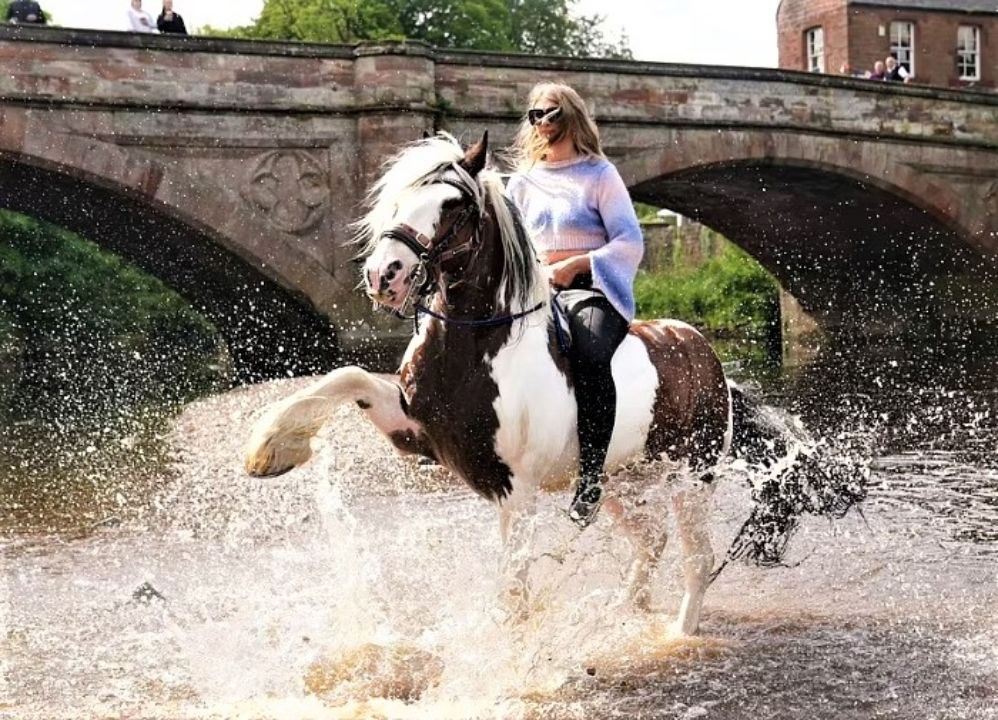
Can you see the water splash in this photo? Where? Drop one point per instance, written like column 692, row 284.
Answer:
column 363, row 585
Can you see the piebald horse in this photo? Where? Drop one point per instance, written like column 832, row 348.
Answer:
column 484, row 389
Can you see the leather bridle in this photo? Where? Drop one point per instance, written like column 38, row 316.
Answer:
column 430, row 252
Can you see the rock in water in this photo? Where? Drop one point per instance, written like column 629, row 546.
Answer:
column 397, row 672
column 146, row 593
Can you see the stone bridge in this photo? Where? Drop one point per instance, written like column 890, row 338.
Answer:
column 232, row 169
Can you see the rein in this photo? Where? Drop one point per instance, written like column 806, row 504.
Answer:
column 486, row 322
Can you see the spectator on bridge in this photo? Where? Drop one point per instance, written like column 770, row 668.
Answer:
column 169, row 21
column 139, row 20
column 846, row 69
column 895, row 72
column 25, row 12
column 879, row 71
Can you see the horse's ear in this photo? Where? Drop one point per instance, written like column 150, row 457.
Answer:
column 474, row 158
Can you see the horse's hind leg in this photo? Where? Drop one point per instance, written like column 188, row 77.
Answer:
column 691, row 511
column 648, row 539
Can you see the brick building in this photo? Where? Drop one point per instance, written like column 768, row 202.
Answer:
column 940, row 42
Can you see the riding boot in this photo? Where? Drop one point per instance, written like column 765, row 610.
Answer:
column 587, row 501
column 597, row 331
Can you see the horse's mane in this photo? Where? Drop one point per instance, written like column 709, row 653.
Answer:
column 425, row 161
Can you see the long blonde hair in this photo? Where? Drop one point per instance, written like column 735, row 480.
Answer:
column 529, row 146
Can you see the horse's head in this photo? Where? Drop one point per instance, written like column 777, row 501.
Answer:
column 426, row 225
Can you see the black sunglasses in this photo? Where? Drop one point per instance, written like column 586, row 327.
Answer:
column 536, row 116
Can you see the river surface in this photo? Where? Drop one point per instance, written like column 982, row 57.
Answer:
column 364, row 586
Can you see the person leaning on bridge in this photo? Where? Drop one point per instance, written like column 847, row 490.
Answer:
column 25, row 12
column 879, row 71
column 169, row 21
column 894, row 71
column 580, row 216
column 139, row 20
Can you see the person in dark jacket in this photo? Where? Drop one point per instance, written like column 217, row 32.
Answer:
column 25, row 12
column 894, row 71
column 169, row 21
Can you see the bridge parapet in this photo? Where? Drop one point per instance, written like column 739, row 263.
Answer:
column 264, row 148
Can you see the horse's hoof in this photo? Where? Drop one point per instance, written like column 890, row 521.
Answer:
column 268, row 472
column 270, row 459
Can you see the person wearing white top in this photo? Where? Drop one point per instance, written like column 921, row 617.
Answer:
column 139, row 20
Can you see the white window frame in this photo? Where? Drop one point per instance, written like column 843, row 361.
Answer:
column 968, row 56
column 814, row 41
column 905, row 54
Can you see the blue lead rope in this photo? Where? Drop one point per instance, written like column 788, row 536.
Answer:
column 487, row 322
column 560, row 320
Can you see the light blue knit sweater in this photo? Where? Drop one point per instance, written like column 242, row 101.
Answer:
column 583, row 204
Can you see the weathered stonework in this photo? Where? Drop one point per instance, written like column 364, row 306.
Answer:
column 291, row 189
column 251, row 158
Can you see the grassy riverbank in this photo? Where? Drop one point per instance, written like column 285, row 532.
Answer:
column 93, row 354
column 88, row 334
column 728, row 296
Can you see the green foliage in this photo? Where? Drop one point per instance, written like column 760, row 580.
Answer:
column 730, row 293
column 530, row 26
column 97, row 340
column 648, row 214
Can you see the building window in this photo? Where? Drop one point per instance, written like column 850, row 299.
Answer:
column 903, row 44
column 815, row 50
column 968, row 52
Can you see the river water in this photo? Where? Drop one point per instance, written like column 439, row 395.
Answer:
column 364, row 586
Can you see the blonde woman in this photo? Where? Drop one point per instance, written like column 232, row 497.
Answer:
column 579, row 214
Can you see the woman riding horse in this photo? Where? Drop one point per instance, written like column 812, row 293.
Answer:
column 580, row 217
column 483, row 388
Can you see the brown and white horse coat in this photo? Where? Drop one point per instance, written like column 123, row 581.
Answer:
column 494, row 403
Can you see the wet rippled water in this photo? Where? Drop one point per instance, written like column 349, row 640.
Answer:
column 363, row 586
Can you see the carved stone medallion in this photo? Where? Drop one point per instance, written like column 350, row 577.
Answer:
column 291, row 189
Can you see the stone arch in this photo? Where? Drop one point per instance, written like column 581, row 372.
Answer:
column 126, row 204
column 860, row 160
column 848, row 229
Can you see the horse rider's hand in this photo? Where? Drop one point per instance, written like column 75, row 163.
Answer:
column 563, row 272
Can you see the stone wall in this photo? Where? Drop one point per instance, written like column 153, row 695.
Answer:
column 245, row 162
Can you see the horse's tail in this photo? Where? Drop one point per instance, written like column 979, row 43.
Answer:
column 790, row 475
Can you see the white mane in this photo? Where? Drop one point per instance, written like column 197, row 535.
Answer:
column 421, row 163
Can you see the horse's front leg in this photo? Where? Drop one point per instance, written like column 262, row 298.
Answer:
column 280, row 439
column 517, row 526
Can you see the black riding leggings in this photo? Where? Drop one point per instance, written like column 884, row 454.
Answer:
column 597, row 330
